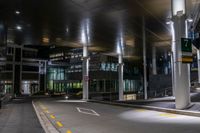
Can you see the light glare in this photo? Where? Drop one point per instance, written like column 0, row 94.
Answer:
column 178, row 5
column 18, row 27
column 85, row 31
column 17, row 12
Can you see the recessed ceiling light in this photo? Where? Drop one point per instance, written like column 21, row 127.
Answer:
column 17, row 12
column 18, row 27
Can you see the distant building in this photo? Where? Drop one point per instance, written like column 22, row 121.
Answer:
column 64, row 73
column 19, row 72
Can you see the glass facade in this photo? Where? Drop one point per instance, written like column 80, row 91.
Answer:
column 57, row 80
column 5, row 87
column 103, row 75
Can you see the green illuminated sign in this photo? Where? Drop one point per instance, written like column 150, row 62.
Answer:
column 186, row 45
column 186, row 48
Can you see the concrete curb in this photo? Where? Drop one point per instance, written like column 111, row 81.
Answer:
column 174, row 111
column 44, row 121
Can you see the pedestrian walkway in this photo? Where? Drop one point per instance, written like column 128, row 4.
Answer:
column 19, row 116
column 167, row 102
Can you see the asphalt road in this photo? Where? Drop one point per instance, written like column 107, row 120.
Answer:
column 81, row 117
column 19, row 117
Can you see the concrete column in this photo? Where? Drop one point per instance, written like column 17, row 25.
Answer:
column 166, row 63
column 45, row 76
column 104, row 85
column 39, row 76
column 181, row 76
column 144, row 58
column 85, row 73
column 172, row 74
column 115, row 86
column 13, row 73
column 98, row 86
column 154, row 65
column 121, row 77
column 187, row 36
column 21, row 69
column 198, row 61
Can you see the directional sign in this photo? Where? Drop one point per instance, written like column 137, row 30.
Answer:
column 186, row 45
column 186, row 48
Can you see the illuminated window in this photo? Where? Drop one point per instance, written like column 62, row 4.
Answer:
column 103, row 66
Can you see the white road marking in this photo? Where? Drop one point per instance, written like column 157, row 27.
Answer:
column 71, row 101
column 87, row 111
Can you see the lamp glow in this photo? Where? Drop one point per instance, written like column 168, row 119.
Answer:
column 178, row 5
column 18, row 27
column 17, row 12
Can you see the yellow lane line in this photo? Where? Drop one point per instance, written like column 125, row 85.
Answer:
column 52, row 116
column 69, row 131
column 59, row 124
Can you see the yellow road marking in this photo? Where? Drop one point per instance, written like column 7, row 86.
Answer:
column 168, row 115
column 47, row 111
column 52, row 116
column 69, row 131
column 43, row 107
column 59, row 124
column 140, row 110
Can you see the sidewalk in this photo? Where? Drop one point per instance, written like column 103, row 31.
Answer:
column 166, row 104
column 18, row 116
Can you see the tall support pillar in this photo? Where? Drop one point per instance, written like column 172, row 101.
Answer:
column 154, row 64
column 45, row 76
column 39, row 76
column 181, row 76
column 172, row 74
column 144, row 58
column 166, row 62
column 187, row 36
column 21, row 69
column 85, row 73
column 198, row 61
column 121, row 77
column 104, row 85
column 13, row 72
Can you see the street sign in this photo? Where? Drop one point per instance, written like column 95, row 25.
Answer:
column 186, row 48
column 186, row 45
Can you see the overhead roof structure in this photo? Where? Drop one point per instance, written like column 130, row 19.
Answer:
column 60, row 22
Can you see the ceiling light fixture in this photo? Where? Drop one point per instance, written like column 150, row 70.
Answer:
column 18, row 27
column 17, row 12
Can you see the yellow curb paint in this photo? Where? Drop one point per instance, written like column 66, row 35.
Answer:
column 167, row 115
column 69, row 131
column 43, row 107
column 140, row 110
column 59, row 124
column 47, row 111
column 52, row 116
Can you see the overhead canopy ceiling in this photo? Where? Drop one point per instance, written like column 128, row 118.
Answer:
column 61, row 22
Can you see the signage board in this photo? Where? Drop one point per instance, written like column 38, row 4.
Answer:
column 186, row 48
